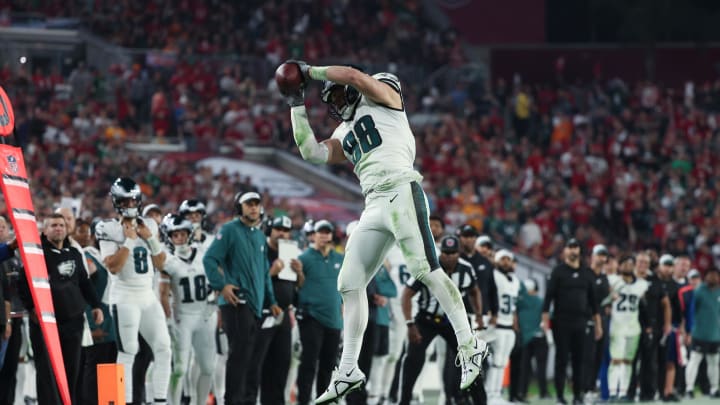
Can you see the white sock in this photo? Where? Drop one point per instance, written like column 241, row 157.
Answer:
column 614, row 379
column 161, row 372
column 204, row 381
column 449, row 298
column 624, row 380
column 691, row 370
column 219, row 379
column 127, row 360
column 713, row 362
column 355, row 318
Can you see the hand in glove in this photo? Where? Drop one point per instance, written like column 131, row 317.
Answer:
column 304, row 69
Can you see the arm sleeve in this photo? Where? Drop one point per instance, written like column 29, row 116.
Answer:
column 493, row 301
column 212, row 260
column 4, row 252
column 594, row 308
column 88, row 291
column 690, row 312
column 269, row 291
column 550, row 292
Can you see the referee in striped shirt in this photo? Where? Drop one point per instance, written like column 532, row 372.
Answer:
column 430, row 321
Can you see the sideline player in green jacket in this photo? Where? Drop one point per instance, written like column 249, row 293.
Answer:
column 236, row 265
column 706, row 333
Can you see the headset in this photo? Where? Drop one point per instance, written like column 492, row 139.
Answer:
column 242, row 197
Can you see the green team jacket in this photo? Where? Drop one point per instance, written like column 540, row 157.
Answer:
column 707, row 314
column 239, row 250
column 387, row 288
column 319, row 296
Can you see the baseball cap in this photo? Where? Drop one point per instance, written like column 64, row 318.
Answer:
column 504, row 253
column 249, row 196
column 484, row 240
column 282, row 222
column 449, row 244
column 693, row 273
column 600, row 250
column 467, row 230
column 323, row 225
column 308, row 227
column 667, row 259
column 150, row 208
column 572, row 242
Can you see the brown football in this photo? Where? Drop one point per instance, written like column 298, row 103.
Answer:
column 288, row 78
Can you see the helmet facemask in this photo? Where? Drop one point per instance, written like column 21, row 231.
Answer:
column 342, row 100
column 123, row 192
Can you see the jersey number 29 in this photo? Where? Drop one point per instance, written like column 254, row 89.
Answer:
column 362, row 139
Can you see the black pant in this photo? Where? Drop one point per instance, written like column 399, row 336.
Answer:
column 415, row 359
column 516, row 357
column 594, row 352
column 320, row 347
column 8, row 373
column 536, row 349
column 570, row 340
column 645, row 367
column 100, row 353
column 359, row 397
column 241, row 327
column 70, row 333
column 272, row 359
column 143, row 358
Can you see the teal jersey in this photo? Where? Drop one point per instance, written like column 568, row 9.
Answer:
column 387, row 288
column 707, row 314
column 529, row 310
column 319, row 297
column 237, row 256
column 100, row 280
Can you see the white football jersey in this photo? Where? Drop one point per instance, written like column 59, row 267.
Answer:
column 379, row 142
column 508, row 289
column 625, row 314
column 204, row 241
column 188, row 282
column 137, row 273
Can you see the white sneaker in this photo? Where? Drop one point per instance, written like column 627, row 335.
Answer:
column 342, row 383
column 470, row 357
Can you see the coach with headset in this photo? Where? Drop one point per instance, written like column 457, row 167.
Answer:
column 236, row 264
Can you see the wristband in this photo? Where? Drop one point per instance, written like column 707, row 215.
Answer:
column 154, row 245
column 129, row 244
column 318, row 72
column 410, row 322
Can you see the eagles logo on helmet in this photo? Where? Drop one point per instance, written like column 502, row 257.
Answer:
column 122, row 191
column 173, row 223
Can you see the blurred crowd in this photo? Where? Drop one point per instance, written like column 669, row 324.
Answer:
column 530, row 164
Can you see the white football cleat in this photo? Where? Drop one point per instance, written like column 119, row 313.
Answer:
column 470, row 357
column 342, row 383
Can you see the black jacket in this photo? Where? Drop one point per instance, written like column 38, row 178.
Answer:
column 484, row 279
column 572, row 291
column 70, row 285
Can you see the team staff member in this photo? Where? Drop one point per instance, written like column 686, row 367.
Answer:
column 273, row 348
column 571, row 291
column 430, row 321
column 534, row 341
column 71, row 292
column 706, row 333
column 482, row 268
column 655, row 320
column 11, row 269
column 6, row 252
column 104, row 347
column 236, row 265
column 670, row 351
column 319, row 313
column 595, row 349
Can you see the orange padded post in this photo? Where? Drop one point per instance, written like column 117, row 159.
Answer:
column 111, row 384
